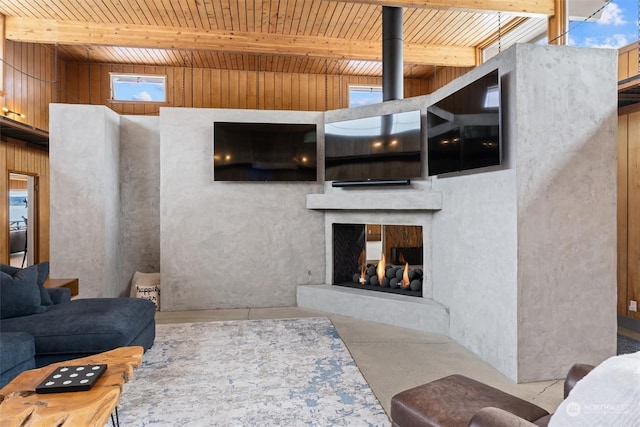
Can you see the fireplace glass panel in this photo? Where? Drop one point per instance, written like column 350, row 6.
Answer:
column 359, row 248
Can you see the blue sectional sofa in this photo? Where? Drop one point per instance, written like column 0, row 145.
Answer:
column 17, row 355
column 39, row 326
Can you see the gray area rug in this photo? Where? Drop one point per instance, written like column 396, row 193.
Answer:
column 627, row 345
column 291, row 372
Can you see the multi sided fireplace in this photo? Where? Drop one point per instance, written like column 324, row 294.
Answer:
column 375, row 257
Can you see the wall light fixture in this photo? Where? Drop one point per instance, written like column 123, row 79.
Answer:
column 7, row 111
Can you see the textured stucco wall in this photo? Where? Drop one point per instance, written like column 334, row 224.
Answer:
column 84, row 193
column 228, row 244
column 475, row 242
column 139, row 196
column 566, row 168
column 524, row 256
column 113, row 286
column 474, row 264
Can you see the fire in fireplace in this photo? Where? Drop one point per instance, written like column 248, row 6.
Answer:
column 397, row 268
column 388, row 275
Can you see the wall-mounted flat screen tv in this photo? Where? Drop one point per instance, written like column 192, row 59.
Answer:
column 374, row 148
column 464, row 128
column 264, row 152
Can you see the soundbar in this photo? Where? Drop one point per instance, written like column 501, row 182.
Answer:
column 370, row 182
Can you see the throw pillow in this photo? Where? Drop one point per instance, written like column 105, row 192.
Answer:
column 43, row 274
column 147, row 286
column 608, row 396
column 20, row 294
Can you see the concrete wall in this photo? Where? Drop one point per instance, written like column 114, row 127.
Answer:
column 227, row 244
column 139, row 195
column 85, row 204
column 524, row 256
column 474, row 251
column 475, row 242
column 566, row 178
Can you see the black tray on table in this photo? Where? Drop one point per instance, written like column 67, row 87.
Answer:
column 71, row 378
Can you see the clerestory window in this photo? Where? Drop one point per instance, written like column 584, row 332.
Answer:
column 138, row 87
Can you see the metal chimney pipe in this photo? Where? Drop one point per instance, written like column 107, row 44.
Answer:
column 392, row 55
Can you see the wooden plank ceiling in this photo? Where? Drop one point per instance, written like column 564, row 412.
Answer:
column 297, row 36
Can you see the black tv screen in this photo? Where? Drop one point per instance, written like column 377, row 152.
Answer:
column 374, row 148
column 264, row 152
column 464, row 128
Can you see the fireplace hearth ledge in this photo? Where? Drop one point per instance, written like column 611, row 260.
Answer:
column 422, row 201
column 422, row 314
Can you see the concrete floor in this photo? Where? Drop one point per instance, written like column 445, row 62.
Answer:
column 393, row 359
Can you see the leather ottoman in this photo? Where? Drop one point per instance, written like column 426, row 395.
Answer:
column 452, row 401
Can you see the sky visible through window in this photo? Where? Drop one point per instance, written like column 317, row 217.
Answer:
column 138, row 88
column 616, row 28
column 359, row 96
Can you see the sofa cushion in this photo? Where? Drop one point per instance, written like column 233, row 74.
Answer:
column 43, row 274
column 11, row 373
column 17, row 355
column 82, row 326
column 59, row 295
column 20, row 294
column 17, row 347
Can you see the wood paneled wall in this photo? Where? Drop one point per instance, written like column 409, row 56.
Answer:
column 401, row 236
column 214, row 88
column 29, row 75
column 18, row 184
column 628, row 62
column 628, row 191
column 29, row 82
column 17, row 157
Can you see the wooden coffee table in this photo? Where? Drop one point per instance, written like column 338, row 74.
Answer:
column 21, row 406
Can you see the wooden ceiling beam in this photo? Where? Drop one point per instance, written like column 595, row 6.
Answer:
column 146, row 36
column 520, row 7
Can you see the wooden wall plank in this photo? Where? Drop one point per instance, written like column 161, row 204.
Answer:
column 623, row 122
column 4, row 205
column 269, row 95
column 277, row 91
column 623, row 66
column 303, row 92
column 633, row 65
column 198, row 95
column 234, row 89
column 633, row 219
column 2, row 45
column 252, row 90
column 215, row 88
column 295, row 90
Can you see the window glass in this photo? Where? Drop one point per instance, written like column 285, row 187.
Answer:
column 364, row 95
column 138, row 88
column 17, row 209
